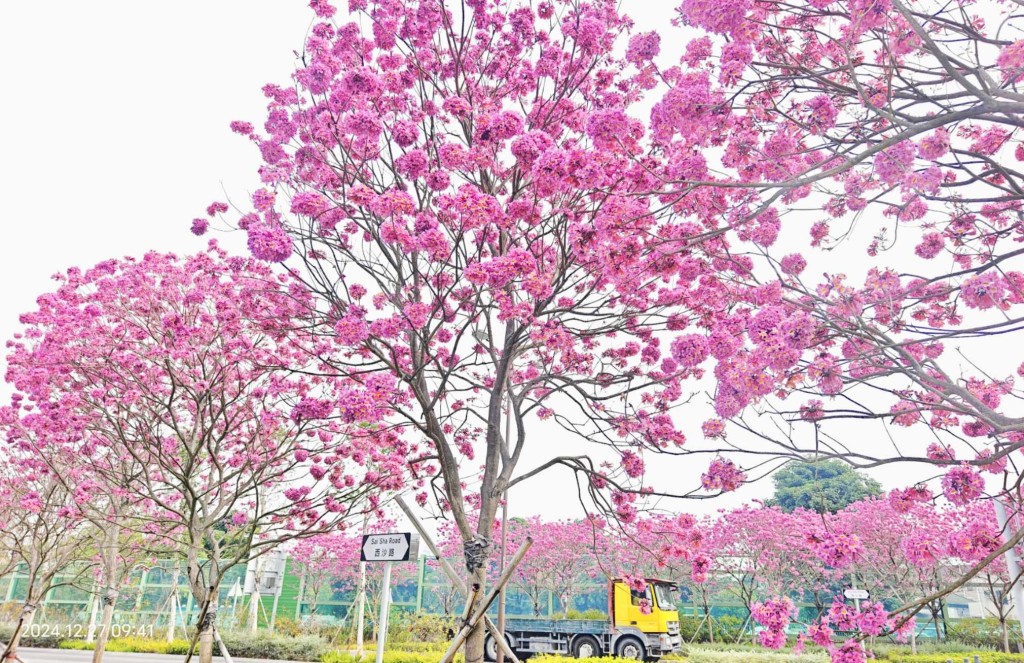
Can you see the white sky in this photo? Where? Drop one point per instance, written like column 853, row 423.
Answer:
column 116, row 122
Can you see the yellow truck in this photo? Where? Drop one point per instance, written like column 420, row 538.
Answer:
column 640, row 625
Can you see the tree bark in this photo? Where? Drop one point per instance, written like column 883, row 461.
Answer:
column 206, row 632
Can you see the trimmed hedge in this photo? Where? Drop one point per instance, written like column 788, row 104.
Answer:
column 390, row 656
column 957, row 657
column 700, row 655
column 242, row 645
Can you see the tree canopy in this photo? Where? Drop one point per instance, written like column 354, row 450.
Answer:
column 822, row 486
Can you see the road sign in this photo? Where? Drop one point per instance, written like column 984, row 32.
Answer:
column 396, row 547
column 856, row 594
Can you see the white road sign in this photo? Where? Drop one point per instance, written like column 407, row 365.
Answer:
column 397, row 547
column 856, row 594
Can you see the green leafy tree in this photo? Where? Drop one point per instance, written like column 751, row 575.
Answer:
column 822, row 486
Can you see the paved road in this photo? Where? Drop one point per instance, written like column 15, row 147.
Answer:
column 33, row 655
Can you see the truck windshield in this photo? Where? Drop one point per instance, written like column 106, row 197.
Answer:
column 664, row 596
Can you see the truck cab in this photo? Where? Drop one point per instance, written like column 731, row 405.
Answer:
column 650, row 614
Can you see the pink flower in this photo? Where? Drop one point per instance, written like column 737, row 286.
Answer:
column 962, row 485
column 983, row 291
column 893, row 164
column 820, row 633
column 1011, row 61
column 838, row 550
column 722, row 475
column 931, row 245
column 643, row 48
column 199, row 226
column 872, row 618
column 851, row 651
column 793, row 264
column 689, row 350
column 216, row 208
column 713, row 428
column 632, row 464
column 270, row 243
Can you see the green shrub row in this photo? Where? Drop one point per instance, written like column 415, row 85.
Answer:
column 390, row 656
column 727, row 628
column 701, row 655
column 984, row 633
column 957, row 657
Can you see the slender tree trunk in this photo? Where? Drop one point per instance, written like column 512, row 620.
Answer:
column 109, row 599
column 1006, row 633
column 90, row 635
column 28, row 613
column 475, row 641
column 254, row 610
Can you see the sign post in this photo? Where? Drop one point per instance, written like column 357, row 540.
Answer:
column 385, row 609
column 856, row 595
column 387, row 548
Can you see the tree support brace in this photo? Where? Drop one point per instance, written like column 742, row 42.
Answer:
column 499, row 637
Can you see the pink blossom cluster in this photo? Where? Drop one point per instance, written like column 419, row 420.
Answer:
column 723, row 475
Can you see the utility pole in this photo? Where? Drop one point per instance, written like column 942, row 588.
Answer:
column 504, row 529
column 1012, row 561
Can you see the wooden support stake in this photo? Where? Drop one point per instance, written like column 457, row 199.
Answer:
column 223, row 648
column 499, row 637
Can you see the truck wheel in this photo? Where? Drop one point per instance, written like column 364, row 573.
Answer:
column 586, row 646
column 630, row 647
column 491, row 648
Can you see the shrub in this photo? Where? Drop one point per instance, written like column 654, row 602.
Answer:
column 591, row 613
column 704, row 655
column 288, row 627
column 390, row 656
column 954, row 650
column 132, row 645
column 266, row 645
column 45, row 640
column 983, row 632
column 422, row 628
column 727, row 629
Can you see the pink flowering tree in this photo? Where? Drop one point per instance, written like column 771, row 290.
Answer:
column 488, row 228
column 751, row 548
column 321, row 559
column 881, row 134
column 464, row 190
column 177, row 365
column 562, row 559
column 331, row 561
column 43, row 530
column 119, row 517
column 937, row 172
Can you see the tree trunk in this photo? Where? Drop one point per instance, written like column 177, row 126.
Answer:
column 475, row 641
column 90, row 633
column 28, row 613
column 254, row 610
column 1006, row 633
column 109, row 599
column 206, row 633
